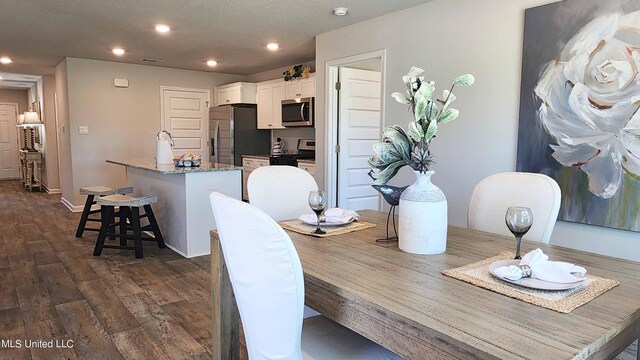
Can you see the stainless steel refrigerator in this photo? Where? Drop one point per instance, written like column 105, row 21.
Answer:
column 234, row 132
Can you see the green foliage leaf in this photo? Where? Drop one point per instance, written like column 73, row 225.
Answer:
column 398, row 137
column 383, row 176
column 420, row 107
column 386, row 152
column 406, row 80
column 447, row 115
column 415, row 131
column 464, row 80
column 431, row 131
column 426, row 90
column 400, row 98
column 414, row 72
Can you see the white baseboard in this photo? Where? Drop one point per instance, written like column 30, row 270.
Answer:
column 70, row 206
column 181, row 253
column 52, row 191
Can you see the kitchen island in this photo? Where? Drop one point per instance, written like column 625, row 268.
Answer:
column 183, row 209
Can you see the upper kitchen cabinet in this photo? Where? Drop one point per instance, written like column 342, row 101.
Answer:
column 270, row 96
column 235, row 93
column 303, row 88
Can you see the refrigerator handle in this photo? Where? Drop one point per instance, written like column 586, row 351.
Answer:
column 215, row 142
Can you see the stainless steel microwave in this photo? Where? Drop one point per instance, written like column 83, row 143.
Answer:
column 297, row 112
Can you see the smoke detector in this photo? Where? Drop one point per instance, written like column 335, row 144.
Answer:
column 340, row 11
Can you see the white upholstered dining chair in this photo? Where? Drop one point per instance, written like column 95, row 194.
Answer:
column 281, row 191
column 267, row 280
column 496, row 193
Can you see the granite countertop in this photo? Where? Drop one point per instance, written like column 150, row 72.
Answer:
column 150, row 165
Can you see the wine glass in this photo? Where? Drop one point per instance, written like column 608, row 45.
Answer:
column 519, row 221
column 317, row 201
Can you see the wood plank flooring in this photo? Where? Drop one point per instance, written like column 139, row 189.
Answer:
column 112, row 306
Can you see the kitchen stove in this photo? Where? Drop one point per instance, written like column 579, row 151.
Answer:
column 306, row 150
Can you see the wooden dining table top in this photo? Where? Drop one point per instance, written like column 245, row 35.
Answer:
column 404, row 302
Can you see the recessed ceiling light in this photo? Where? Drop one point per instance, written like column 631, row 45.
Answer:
column 5, row 60
column 118, row 51
column 161, row 28
column 273, row 46
column 212, row 63
column 0, row 77
column 340, row 11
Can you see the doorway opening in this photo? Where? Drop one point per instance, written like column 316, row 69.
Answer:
column 355, row 119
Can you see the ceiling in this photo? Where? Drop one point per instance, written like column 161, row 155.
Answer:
column 38, row 34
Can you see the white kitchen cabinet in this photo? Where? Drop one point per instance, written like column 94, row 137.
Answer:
column 308, row 167
column 235, row 93
column 303, row 88
column 249, row 164
column 269, row 98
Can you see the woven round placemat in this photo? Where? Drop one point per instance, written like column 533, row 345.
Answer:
column 563, row 301
column 302, row 228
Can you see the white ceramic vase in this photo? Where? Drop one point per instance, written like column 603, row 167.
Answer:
column 423, row 217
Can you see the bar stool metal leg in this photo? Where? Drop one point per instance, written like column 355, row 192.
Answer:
column 85, row 215
column 154, row 226
column 137, row 235
column 124, row 215
column 107, row 218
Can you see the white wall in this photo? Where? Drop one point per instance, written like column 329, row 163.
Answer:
column 122, row 122
column 448, row 38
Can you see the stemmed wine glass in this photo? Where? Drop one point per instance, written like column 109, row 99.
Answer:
column 317, row 201
column 519, row 221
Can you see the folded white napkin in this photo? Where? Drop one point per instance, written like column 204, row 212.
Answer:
column 337, row 215
column 333, row 215
column 543, row 269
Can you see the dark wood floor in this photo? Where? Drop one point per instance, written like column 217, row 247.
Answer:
column 112, row 306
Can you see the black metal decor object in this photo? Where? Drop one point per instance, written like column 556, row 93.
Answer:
column 391, row 194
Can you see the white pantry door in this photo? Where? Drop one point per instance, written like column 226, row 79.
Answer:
column 9, row 165
column 185, row 114
column 359, row 128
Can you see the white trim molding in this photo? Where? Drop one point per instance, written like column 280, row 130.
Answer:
column 331, row 105
column 51, row 191
column 70, row 206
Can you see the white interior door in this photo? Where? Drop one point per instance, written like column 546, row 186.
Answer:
column 186, row 116
column 9, row 165
column 359, row 128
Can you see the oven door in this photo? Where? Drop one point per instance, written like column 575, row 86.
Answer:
column 298, row 112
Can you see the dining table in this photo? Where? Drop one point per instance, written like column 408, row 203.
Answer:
column 403, row 302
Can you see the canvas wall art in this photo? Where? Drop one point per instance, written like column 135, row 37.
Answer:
column 579, row 107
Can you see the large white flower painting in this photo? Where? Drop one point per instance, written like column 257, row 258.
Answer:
column 590, row 99
column 581, row 62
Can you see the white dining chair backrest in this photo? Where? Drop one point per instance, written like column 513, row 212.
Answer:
column 266, row 276
column 281, row 191
column 496, row 193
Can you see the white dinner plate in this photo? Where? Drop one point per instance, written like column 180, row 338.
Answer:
column 530, row 282
column 325, row 224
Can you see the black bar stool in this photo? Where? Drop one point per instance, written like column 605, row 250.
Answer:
column 92, row 192
column 129, row 209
